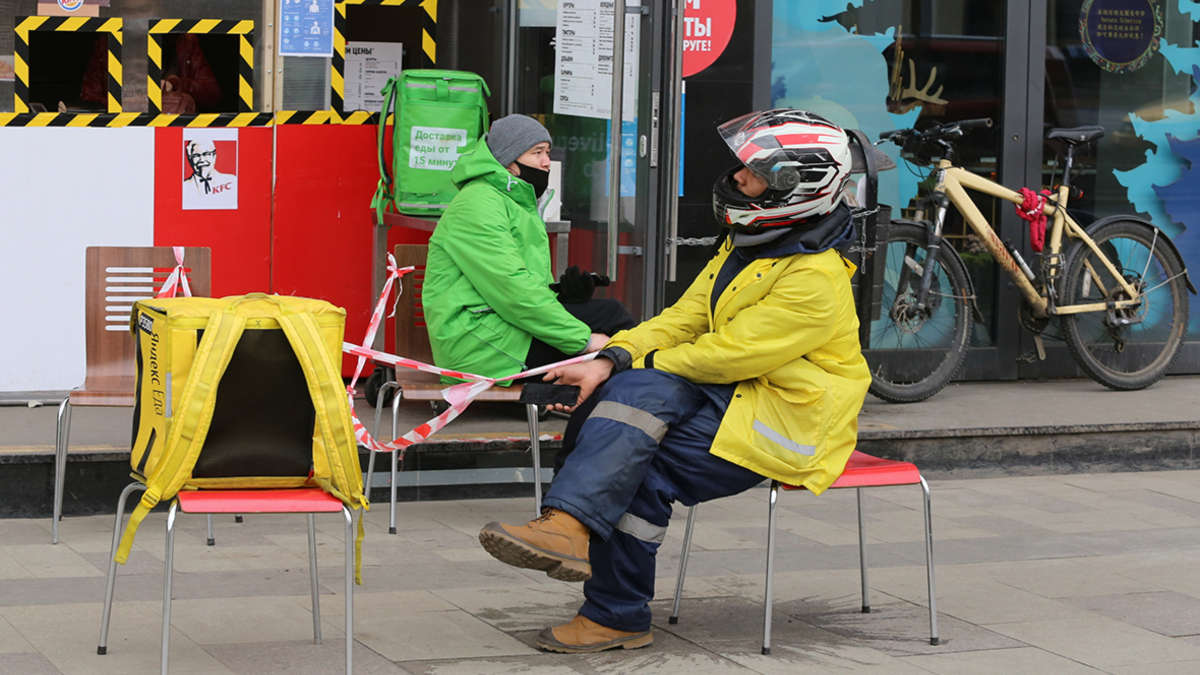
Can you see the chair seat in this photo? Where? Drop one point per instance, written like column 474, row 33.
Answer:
column 863, row 470
column 109, row 399
column 291, row 500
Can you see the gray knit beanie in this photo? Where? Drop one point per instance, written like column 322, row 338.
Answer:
column 512, row 136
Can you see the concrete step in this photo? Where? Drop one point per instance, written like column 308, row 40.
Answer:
column 967, row 430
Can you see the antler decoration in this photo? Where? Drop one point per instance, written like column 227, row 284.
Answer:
column 921, row 94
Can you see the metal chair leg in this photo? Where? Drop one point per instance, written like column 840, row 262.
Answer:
column 933, row 631
column 378, row 417
column 349, row 590
column 766, row 649
column 535, row 448
column 312, row 566
column 862, row 555
column 683, row 560
column 168, row 569
column 62, row 437
column 211, row 539
column 395, row 461
column 102, row 648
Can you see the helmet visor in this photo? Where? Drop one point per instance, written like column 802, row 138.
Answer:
column 758, row 149
column 737, row 134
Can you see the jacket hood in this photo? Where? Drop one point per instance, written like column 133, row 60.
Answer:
column 479, row 164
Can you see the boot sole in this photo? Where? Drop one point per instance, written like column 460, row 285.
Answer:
column 546, row 641
column 516, row 553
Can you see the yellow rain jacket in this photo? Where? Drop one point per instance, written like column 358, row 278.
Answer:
column 785, row 331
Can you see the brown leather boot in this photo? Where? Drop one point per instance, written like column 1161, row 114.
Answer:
column 556, row 543
column 581, row 635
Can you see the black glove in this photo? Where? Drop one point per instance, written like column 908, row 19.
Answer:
column 575, row 286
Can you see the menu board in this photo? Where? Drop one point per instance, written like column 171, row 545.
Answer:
column 369, row 66
column 584, row 59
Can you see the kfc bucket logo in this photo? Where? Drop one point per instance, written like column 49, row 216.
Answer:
column 707, row 27
column 210, row 167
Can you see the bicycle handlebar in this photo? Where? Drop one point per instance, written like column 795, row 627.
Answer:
column 938, row 138
column 981, row 123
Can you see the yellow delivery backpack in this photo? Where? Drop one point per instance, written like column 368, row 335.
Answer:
column 240, row 392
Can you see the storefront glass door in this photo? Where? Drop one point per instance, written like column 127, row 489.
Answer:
column 559, row 69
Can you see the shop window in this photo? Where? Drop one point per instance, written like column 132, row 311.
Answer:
column 1130, row 68
column 402, row 36
column 197, row 67
column 944, row 62
column 72, row 66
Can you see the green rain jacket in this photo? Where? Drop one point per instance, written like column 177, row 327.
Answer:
column 486, row 293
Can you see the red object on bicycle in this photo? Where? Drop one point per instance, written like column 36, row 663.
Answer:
column 1032, row 210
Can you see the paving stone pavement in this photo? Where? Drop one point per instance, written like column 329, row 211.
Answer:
column 1062, row 574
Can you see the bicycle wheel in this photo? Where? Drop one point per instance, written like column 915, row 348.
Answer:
column 913, row 355
column 1127, row 348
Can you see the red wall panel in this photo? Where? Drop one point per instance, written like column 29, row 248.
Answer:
column 323, row 231
column 240, row 239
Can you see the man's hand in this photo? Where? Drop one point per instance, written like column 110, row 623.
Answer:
column 596, row 343
column 587, row 376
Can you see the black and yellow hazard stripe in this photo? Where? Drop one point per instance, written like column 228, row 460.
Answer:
column 308, row 117
column 337, row 79
column 111, row 120
column 64, row 24
column 161, row 27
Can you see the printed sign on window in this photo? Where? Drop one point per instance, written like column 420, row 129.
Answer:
column 435, row 147
column 210, row 168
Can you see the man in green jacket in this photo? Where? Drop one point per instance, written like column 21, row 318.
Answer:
column 487, row 298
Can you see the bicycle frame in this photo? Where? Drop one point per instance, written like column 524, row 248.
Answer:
column 953, row 182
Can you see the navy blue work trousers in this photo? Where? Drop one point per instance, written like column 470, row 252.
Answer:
column 643, row 447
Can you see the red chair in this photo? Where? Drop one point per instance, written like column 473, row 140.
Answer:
column 862, row 471
column 308, row 501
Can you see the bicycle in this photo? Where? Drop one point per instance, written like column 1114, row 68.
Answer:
column 1118, row 291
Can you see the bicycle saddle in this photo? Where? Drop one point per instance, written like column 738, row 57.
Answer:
column 1076, row 135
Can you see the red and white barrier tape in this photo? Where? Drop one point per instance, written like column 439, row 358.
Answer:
column 178, row 280
column 459, row 396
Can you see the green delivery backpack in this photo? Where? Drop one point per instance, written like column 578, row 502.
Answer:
column 439, row 115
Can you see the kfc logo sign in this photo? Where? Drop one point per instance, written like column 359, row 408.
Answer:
column 707, row 27
column 210, row 167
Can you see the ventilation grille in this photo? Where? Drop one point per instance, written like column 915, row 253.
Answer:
column 124, row 286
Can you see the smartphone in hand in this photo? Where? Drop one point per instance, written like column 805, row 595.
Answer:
column 544, row 393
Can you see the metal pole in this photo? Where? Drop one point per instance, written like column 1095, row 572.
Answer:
column 614, row 145
column 510, row 78
column 676, row 142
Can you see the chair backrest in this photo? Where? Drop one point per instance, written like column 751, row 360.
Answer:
column 117, row 276
column 412, row 337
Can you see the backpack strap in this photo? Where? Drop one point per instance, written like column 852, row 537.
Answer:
column 339, row 459
column 196, row 406
column 385, row 192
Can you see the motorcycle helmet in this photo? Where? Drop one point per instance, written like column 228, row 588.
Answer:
column 804, row 159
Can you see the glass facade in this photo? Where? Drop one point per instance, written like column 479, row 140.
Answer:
column 1138, row 81
column 1130, row 66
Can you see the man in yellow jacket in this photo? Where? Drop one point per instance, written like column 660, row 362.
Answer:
column 755, row 372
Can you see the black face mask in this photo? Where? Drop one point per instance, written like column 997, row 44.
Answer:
column 536, row 177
